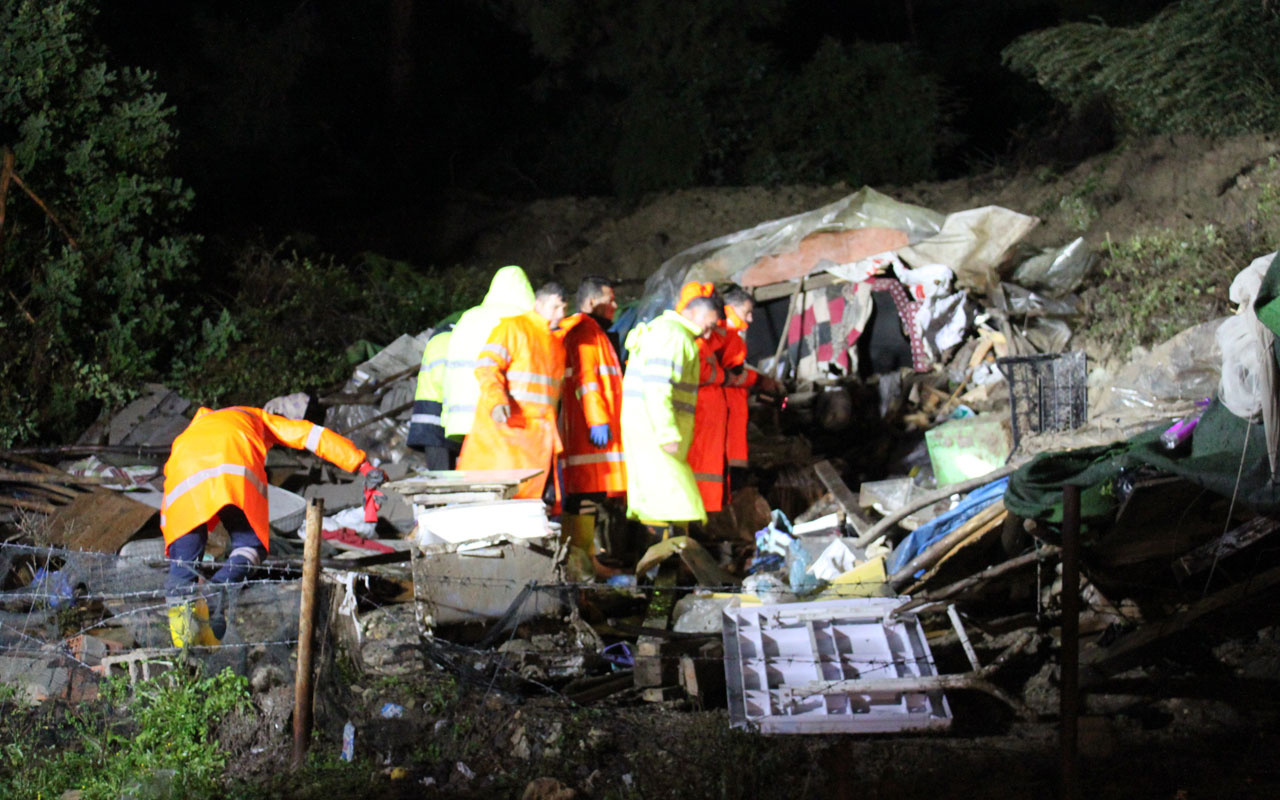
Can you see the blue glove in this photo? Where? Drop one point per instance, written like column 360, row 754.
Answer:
column 599, row 435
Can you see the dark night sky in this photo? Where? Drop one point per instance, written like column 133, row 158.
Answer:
column 306, row 114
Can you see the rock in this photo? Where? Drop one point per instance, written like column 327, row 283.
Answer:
column 547, row 789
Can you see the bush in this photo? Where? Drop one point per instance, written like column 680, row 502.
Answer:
column 93, row 303
column 1200, row 66
column 152, row 740
column 292, row 315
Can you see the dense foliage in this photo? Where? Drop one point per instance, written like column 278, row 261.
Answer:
column 1200, row 66
column 91, row 284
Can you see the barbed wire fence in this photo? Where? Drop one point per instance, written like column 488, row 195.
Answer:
column 85, row 612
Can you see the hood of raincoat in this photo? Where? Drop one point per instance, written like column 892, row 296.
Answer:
column 509, row 292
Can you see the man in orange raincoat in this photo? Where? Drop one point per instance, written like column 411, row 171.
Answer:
column 593, row 465
column 739, row 309
column 520, row 370
column 216, row 472
column 707, row 453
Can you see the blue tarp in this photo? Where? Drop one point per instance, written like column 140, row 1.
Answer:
column 941, row 525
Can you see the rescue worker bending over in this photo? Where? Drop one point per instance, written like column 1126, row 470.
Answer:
column 217, row 472
column 519, row 372
column 659, row 400
column 426, row 427
column 510, row 293
column 593, row 466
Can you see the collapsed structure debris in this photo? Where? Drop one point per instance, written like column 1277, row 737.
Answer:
column 934, row 419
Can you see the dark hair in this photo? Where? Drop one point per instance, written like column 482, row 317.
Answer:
column 737, row 296
column 551, row 289
column 592, row 287
column 709, row 303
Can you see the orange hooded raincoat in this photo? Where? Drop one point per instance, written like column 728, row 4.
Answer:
column 220, row 460
column 591, row 395
column 521, row 366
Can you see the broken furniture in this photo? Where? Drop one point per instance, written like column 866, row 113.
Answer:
column 784, row 665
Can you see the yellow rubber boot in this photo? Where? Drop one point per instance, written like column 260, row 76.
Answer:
column 189, row 624
column 581, row 529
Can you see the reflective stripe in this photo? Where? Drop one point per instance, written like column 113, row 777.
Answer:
column 737, row 462
column 593, row 458
column 249, row 554
column 532, row 377
column 531, row 397
column 660, row 362
column 488, row 361
column 462, row 364
column 497, row 350
column 636, row 393
column 708, row 477
column 609, row 369
column 686, row 407
column 194, row 480
column 425, row 419
column 654, row 379
column 568, row 372
column 439, row 362
column 459, row 409
column 313, row 438
column 684, row 387
column 587, row 387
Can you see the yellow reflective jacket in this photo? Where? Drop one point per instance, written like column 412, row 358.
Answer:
column 426, row 428
column 510, row 293
column 659, row 397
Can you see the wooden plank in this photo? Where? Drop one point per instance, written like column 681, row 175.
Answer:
column 977, row 537
column 992, row 514
column 100, row 521
column 773, row 291
column 843, row 495
column 1128, row 650
column 929, row 499
column 1228, row 544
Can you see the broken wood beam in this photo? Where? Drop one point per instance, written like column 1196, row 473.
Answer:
column 841, row 493
column 979, row 523
column 977, row 579
column 47, row 477
column 1229, row 543
column 1128, row 650
column 29, row 505
column 932, row 497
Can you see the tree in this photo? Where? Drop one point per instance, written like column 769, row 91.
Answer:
column 1199, row 66
column 92, row 301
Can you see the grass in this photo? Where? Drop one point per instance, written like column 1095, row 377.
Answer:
column 1158, row 282
column 152, row 740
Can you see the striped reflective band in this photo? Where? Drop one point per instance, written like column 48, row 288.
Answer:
column 425, row 419
column 636, row 393
column 465, row 364
column 460, row 409
column 587, row 387
column 737, row 462
column 568, row 372
column 593, row 458
column 194, row 480
column 530, row 397
column 313, row 438
column 496, row 349
column 708, row 477
column 688, row 408
column 436, row 364
column 609, row 369
column 660, row 362
column 531, row 377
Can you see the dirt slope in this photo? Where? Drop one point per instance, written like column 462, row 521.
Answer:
column 1163, row 182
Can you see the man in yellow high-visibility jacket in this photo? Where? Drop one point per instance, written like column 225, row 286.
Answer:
column 659, row 399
